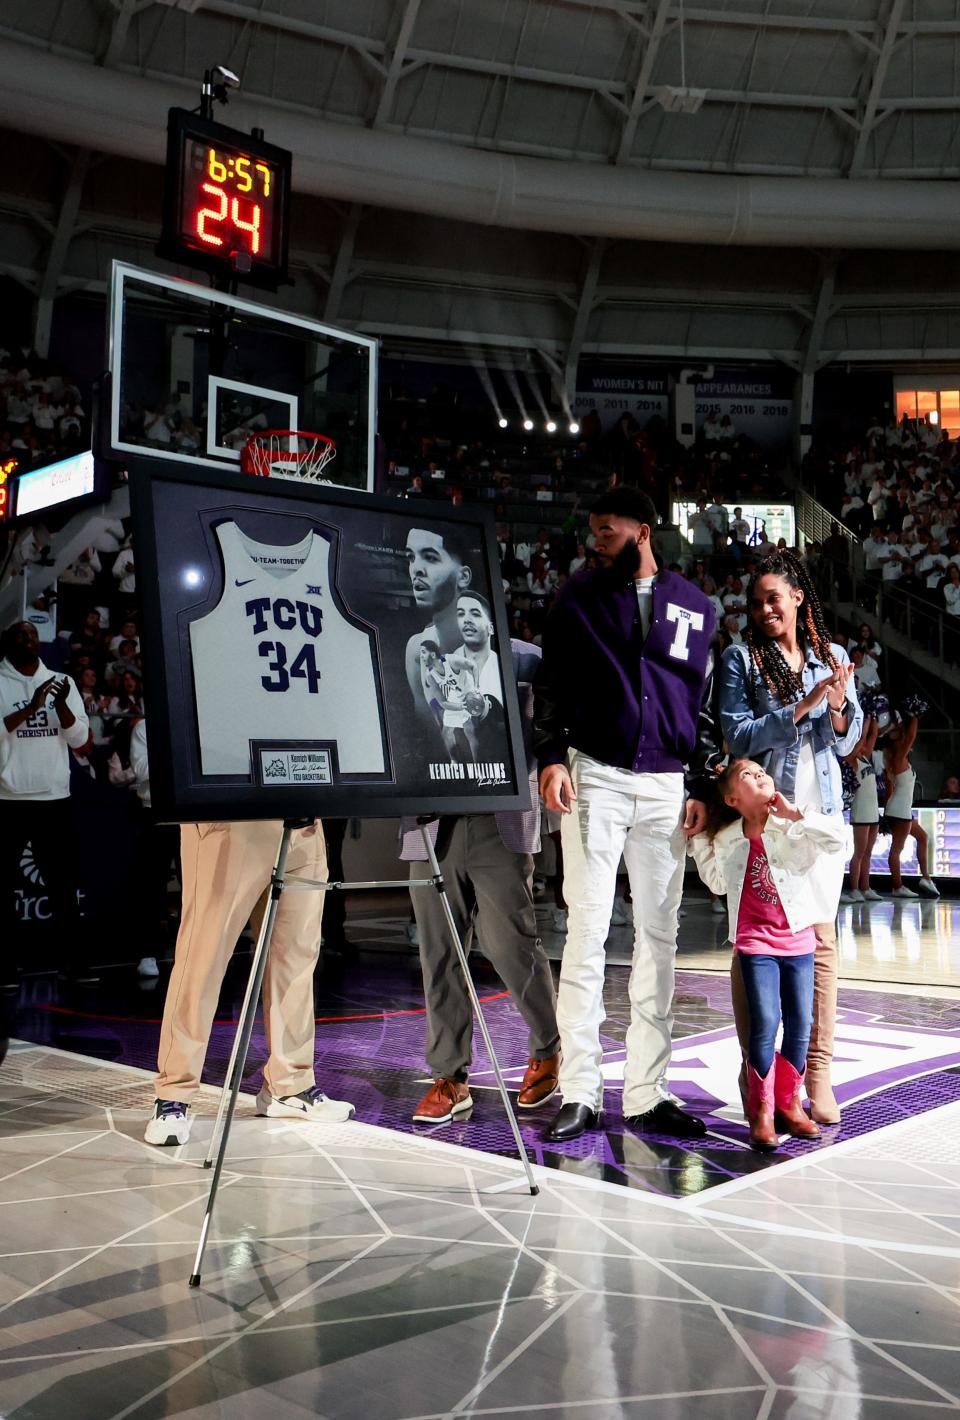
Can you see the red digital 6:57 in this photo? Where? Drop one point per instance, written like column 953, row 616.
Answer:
column 226, row 201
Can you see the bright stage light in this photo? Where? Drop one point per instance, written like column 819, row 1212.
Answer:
column 191, row 577
column 502, row 423
column 551, row 427
column 528, row 425
column 574, row 427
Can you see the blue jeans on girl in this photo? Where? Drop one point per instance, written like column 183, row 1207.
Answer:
column 778, row 986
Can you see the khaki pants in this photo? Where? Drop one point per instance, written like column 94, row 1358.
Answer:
column 226, row 867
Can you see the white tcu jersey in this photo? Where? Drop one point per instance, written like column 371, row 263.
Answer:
column 276, row 659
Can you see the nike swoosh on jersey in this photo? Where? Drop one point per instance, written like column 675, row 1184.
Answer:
column 246, row 581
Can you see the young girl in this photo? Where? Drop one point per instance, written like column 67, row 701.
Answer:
column 788, row 700
column 759, row 850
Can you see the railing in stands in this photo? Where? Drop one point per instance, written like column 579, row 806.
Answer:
column 815, row 523
column 911, row 626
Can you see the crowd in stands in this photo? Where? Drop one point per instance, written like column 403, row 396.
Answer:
column 42, row 412
column 898, row 491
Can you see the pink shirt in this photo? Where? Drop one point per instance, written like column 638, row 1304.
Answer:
column 762, row 926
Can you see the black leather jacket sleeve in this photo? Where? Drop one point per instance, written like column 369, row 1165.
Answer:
column 708, row 750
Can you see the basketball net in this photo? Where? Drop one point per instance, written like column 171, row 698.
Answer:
column 288, row 453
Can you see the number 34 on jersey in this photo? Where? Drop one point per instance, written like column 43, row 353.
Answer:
column 289, row 618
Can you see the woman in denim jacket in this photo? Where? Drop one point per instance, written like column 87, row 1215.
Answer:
column 787, row 699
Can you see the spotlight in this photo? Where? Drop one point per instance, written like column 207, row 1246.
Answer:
column 191, row 577
column 528, row 425
column 550, row 427
column 502, row 423
column 574, row 427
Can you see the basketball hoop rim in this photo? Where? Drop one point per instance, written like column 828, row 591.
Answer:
column 257, row 457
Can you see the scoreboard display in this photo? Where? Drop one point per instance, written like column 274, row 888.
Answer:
column 8, row 467
column 942, row 824
column 226, row 201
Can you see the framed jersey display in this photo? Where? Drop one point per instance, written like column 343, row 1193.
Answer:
column 315, row 650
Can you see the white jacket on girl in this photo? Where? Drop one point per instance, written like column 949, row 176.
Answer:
column 791, row 849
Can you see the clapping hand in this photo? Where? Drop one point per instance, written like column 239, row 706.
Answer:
column 837, row 683
column 39, row 697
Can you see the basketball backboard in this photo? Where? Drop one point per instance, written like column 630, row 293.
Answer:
column 195, row 371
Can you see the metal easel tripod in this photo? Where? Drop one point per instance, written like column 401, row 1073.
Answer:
column 280, row 883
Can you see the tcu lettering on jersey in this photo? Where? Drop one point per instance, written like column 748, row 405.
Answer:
column 286, row 662
column 685, row 620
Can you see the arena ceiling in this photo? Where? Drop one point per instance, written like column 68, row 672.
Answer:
column 563, row 178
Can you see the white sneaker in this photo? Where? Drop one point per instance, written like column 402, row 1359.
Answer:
column 870, row 896
column 622, row 915
column 169, row 1124
column 718, row 907
column 558, row 919
column 310, row 1104
column 147, row 966
column 904, row 891
column 928, row 888
column 855, row 895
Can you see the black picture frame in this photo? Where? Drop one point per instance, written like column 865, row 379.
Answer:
column 175, row 510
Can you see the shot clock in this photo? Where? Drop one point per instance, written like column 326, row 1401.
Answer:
column 226, row 201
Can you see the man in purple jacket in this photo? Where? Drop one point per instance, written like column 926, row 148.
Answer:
column 623, row 709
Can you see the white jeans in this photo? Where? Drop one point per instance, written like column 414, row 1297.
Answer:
column 639, row 816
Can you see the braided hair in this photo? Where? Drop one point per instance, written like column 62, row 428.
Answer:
column 767, row 660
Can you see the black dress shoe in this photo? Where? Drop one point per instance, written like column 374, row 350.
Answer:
column 668, row 1118
column 572, row 1120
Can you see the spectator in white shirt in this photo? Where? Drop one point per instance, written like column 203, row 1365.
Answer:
column 41, row 719
column 127, row 632
column 735, row 602
column 866, row 642
column 878, row 495
column 720, row 521
column 951, row 590
column 125, row 571
column 733, row 628
column 740, row 527
column 872, row 547
column 932, row 567
column 711, row 429
column 701, row 529
column 865, row 673
column 892, row 556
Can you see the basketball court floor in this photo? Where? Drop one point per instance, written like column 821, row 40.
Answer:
column 647, row 1279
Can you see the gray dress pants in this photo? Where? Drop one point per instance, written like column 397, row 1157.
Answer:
column 490, row 885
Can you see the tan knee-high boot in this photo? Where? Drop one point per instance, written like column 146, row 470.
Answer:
column 741, row 1017
column 823, row 1105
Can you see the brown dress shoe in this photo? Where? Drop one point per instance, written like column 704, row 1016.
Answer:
column 444, row 1099
column 540, row 1081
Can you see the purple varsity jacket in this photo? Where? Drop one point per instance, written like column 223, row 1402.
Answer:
column 643, row 704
